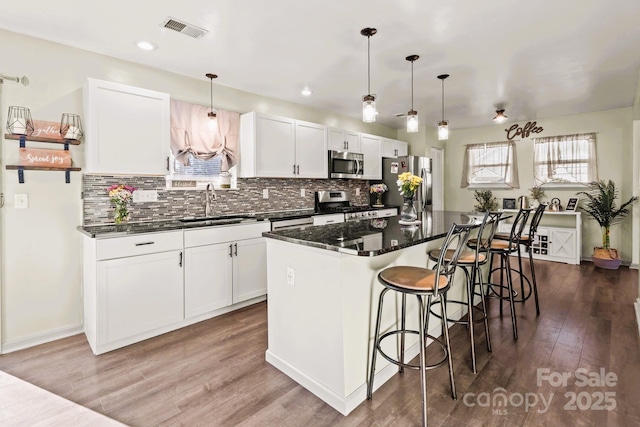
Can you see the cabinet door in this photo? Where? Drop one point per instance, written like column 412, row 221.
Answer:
column 127, row 129
column 249, row 269
column 370, row 147
column 328, row 219
column 138, row 294
column 562, row 243
column 207, row 278
column 311, row 150
column 337, row 141
column 344, row 140
column 274, row 147
column 402, row 148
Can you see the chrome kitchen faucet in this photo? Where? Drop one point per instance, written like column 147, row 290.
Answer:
column 209, row 196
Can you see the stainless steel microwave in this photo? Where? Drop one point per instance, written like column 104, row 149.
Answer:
column 345, row 164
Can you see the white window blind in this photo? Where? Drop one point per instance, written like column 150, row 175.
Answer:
column 490, row 164
column 565, row 159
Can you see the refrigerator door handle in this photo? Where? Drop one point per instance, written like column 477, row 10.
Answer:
column 426, row 186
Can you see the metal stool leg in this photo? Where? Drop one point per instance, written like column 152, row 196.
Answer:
column 376, row 343
column 402, row 326
column 448, row 346
column 501, row 280
column 533, row 280
column 511, row 302
column 521, row 273
column 470, row 317
column 484, row 310
column 422, row 331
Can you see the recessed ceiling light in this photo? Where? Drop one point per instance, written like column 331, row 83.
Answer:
column 306, row 92
column 145, row 45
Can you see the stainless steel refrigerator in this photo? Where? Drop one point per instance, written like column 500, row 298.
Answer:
column 420, row 166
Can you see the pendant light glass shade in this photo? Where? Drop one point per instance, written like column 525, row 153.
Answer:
column 368, row 101
column 443, row 125
column 443, row 130
column 412, row 115
column 213, row 122
column 412, row 121
column 369, row 109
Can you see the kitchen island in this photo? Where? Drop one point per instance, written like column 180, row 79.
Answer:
column 323, row 294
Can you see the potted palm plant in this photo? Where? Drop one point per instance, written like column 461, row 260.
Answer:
column 601, row 206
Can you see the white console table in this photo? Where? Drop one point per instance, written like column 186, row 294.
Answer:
column 559, row 236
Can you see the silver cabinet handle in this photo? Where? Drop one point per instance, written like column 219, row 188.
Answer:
column 145, row 243
column 298, row 170
column 330, row 221
column 294, row 169
column 230, row 250
column 180, row 263
column 235, row 249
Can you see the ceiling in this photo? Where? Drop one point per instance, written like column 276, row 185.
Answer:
column 535, row 59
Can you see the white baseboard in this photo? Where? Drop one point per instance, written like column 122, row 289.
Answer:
column 637, row 306
column 42, row 338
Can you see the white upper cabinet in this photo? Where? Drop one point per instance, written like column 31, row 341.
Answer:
column 127, row 129
column 370, row 146
column 394, row 148
column 344, row 140
column 279, row 147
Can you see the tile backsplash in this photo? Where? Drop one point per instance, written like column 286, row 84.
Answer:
column 284, row 194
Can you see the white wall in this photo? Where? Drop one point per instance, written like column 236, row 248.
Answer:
column 41, row 248
column 614, row 130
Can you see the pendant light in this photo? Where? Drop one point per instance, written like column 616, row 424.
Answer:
column 412, row 115
column 368, row 101
column 443, row 125
column 213, row 122
column 500, row 117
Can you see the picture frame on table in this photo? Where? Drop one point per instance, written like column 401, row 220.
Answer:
column 508, row 203
column 572, row 203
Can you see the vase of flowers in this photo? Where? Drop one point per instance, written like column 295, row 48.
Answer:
column 408, row 183
column 378, row 190
column 121, row 194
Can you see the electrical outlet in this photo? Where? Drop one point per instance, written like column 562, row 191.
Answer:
column 21, row 201
column 140, row 196
column 302, row 192
column 290, row 276
column 357, row 191
column 265, row 193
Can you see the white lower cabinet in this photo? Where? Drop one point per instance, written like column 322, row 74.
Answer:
column 140, row 286
column 139, row 294
column 224, row 266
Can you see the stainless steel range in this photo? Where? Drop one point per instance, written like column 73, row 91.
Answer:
column 340, row 202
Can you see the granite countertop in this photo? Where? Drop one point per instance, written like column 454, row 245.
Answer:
column 113, row 230
column 371, row 237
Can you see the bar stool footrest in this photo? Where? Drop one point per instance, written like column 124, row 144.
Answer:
column 407, row 365
column 480, row 319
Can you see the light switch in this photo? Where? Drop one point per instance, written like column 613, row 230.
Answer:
column 21, row 201
column 357, row 191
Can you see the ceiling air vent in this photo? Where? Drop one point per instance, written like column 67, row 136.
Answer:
column 184, row 28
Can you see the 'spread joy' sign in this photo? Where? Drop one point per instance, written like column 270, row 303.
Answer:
column 59, row 159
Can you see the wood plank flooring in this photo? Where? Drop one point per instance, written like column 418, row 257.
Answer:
column 214, row 373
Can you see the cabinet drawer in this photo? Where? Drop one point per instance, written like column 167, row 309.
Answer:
column 213, row 235
column 139, row 244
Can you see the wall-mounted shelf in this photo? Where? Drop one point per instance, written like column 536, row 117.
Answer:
column 42, row 139
column 22, row 168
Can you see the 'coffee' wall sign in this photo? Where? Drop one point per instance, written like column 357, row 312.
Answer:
column 523, row 132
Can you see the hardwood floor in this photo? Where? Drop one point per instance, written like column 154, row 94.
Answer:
column 214, row 373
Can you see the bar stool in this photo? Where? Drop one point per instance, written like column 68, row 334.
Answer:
column 473, row 259
column 423, row 283
column 504, row 248
column 527, row 241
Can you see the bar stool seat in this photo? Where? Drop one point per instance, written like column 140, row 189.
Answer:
column 427, row 284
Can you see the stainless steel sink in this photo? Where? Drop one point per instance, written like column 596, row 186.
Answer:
column 217, row 220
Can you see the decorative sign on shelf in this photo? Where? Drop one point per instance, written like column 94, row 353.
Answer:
column 58, row 159
column 46, row 129
column 523, row 132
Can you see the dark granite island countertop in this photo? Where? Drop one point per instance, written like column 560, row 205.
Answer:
column 372, row 237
